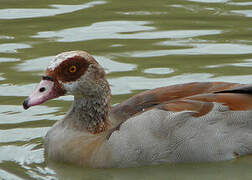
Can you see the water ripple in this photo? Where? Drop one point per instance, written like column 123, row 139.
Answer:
column 1, row 78
column 12, row 47
column 21, row 154
column 39, row 12
column 241, row 3
column 142, row 83
column 198, row 49
column 16, row 90
column 9, row 175
column 113, row 30
column 246, row 63
column 99, row 30
column 159, row 71
column 3, row 59
column 22, row 134
column 247, row 13
column 10, row 114
column 6, row 37
column 210, row 1
column 142, row 13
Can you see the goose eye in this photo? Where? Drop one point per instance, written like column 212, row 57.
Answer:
column 72, row 69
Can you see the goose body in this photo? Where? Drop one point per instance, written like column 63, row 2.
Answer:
column 191, row 122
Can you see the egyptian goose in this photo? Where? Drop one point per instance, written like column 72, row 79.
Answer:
column 194, row 122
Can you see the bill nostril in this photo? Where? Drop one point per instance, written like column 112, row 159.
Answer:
column 42, row 89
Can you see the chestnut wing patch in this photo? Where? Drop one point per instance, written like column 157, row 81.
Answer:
column 199, row 108
column 150, row 99
column 239, row 90
column 235, row 101
column 238, row 99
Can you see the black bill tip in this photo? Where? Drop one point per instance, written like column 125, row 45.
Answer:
column 26, row 104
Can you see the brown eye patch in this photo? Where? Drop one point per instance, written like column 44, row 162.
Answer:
column 71, row 69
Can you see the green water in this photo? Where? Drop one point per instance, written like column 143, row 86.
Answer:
column 142, row 44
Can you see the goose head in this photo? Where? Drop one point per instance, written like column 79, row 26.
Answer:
column 75, row 72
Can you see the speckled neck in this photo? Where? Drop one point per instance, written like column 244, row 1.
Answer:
column 91, row 112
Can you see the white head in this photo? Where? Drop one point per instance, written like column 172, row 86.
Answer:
column 73, row 72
